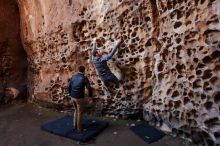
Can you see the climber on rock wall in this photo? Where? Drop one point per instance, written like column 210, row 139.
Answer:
column 100, row 63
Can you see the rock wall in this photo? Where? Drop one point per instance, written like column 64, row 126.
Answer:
column 168, row 59
column 13, row 60
column 186, row 93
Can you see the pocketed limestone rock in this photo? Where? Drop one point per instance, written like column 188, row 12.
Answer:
column 168, row 59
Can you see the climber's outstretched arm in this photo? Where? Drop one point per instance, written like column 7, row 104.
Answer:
column 109, row 56
column 94, row 49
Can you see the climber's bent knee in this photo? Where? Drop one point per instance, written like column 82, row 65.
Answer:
column 113, row 79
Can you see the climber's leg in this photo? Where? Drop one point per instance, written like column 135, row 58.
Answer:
column 113, row 79
column 119, row 84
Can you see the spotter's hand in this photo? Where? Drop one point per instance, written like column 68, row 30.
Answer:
column 90, row 100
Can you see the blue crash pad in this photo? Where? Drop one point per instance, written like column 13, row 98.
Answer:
column 64, row 127
column 147, row 133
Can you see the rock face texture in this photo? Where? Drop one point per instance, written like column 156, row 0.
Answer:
column 13, row 59
column 169, row 57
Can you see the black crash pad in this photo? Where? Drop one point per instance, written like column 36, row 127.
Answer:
column 147, row 133
column 64, row 127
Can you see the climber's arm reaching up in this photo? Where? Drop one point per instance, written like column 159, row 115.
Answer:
column 109, row 56
column 94, row 48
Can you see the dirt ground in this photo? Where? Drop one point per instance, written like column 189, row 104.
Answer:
column 20, row 126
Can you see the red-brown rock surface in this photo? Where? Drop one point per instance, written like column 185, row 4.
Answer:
column 13, row 59
column 169, row 58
